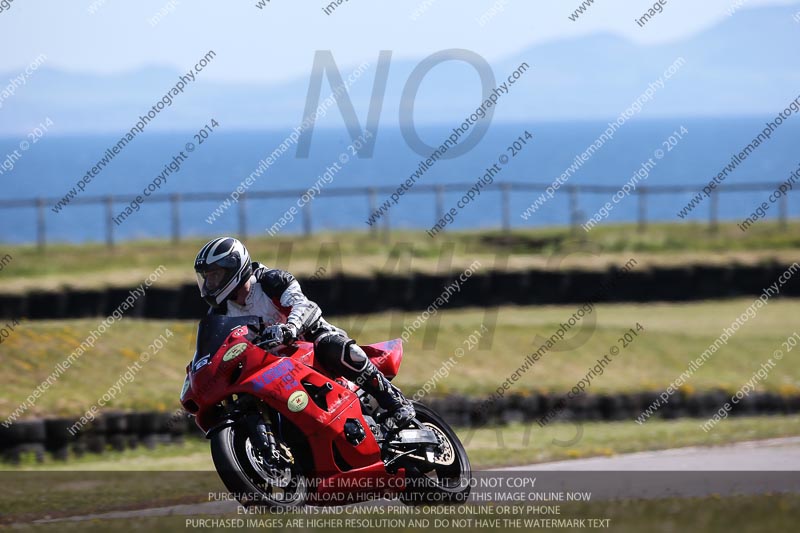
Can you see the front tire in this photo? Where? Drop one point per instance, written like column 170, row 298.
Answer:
column 242, row 473
column 448, row 480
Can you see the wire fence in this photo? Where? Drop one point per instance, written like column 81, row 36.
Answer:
column 369, row 196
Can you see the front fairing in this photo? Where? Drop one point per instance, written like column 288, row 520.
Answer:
column 214, row 330
column 229, row 364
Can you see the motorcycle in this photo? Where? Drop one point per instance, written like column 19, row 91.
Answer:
column 285, row 433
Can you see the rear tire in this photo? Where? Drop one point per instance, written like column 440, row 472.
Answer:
column 445, row 483
column 245, row 478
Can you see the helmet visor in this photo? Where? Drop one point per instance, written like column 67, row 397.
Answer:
column 212, row 280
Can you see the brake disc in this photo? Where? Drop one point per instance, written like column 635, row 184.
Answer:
column 272, row 474
column 445, row 454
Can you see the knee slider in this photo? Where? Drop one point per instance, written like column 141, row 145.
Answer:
column 353, row 356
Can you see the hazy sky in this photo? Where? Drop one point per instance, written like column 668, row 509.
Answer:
column 278, row 42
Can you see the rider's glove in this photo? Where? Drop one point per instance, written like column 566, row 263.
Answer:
column 278, row 334
column 289, row 333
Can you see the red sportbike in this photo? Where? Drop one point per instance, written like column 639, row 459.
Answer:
column 286, row 433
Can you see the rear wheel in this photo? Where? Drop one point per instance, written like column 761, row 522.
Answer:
column 447, row 479
column 249, row 477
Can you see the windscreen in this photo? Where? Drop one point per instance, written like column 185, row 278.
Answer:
column 214, row 329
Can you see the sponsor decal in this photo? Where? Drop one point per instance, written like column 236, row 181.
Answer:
column 234, row 351
column 297, row 401
column 202, row 362
column 283, row 372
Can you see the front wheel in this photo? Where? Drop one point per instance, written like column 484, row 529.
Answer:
column 447, row 479
column 246, row 475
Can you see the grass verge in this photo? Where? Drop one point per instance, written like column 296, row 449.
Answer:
column 128, row 263
column 743, row 514
column 673, row 335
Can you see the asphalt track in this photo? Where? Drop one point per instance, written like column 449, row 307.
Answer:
column 744, row 468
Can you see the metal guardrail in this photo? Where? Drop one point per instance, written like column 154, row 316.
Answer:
column 371, row 193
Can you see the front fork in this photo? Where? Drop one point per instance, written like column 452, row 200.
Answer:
column 261, row 436
column 259, row 427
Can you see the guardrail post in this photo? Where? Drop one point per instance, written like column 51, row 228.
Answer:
column 386, row 227
column 713, row 213
column 110, row 221
column 573, row 208
column 782, row 212
column 242, row 210
column 439, row 195
column 175, row 200
column 505, row 189
column 373, row 205
column 41, row 230
column 307, row 219
column 642, row 194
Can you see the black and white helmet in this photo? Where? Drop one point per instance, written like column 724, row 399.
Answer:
column 222, row 266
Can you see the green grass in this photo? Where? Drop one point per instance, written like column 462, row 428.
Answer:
column 743, row 514
column 29, row 496
column 190, row 455
column 712, row 514
column 89, row 265
column 184, row 474
column 673, row 335
column 528, row 443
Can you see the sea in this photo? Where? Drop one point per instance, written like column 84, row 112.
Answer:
column 693, row 151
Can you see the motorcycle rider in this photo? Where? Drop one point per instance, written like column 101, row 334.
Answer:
column 234, row 286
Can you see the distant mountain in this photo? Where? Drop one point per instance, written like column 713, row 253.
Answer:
column 745, row 65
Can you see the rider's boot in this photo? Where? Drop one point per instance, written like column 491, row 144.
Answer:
column 399, row 410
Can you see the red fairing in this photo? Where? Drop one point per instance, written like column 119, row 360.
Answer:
column 285, row 380
column 386, row 356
